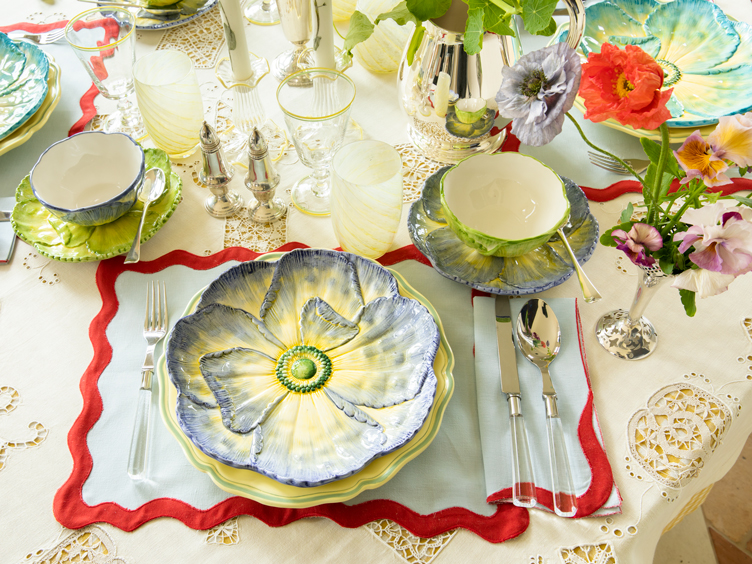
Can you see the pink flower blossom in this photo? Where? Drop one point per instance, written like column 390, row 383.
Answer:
column 721, row 237
column 732, row 139
column 642, row 236
column 700, row 159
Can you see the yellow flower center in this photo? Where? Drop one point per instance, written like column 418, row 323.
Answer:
column 623, row 87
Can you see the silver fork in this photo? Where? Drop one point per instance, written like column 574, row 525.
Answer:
column 38, row 38
column 155, row 328
column 612, row 165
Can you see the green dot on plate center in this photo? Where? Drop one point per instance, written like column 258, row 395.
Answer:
column 303, row 369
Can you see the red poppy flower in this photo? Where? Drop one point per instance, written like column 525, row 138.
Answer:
column 624, row 85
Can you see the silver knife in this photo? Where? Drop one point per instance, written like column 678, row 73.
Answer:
column 523, row 478
column 5, row 215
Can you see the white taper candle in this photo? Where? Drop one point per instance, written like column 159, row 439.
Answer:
column 237, row 46
column 323, row 45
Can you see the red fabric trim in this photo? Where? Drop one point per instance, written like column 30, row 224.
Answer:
column 32, row 27
column 602, row 477
column 70, row 509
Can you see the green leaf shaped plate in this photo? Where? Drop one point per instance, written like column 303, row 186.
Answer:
column 60, row 240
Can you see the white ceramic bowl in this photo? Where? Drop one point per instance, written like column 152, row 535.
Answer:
column 505, row 204
column 90, row 178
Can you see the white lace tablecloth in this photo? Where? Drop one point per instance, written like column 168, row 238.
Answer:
column 693, row 396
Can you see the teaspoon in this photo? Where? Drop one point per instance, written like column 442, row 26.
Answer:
column 151, row 190
column 539, row 339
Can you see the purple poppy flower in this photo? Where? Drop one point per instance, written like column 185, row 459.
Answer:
column 642, row 236
column 538, row 91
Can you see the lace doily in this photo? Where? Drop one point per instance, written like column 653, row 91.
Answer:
column 224, row 533
column 10, row 399
column 412, row 549
column 201, row 39
column 589, row 554
column 90, row 544
column 415, row 169
column 678, row 431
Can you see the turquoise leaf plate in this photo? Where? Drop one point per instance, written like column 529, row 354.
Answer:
column 706, row 57
column 304, row 370
column 23, row 82
column 541, row 269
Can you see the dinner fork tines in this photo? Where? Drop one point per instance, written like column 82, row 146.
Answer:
column 38, row 38
column 155, row 328
column 612, row 165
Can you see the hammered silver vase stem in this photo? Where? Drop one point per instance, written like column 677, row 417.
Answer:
column 628, row 334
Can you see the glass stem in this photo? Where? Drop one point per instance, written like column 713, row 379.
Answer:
column 321, row 176
column 247, row 109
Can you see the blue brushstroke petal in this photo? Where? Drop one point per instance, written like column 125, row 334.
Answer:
column 324, row 328
column 606, row 19
column 716, row 93
column 242, row 287
column 637, row 9
column 743, row 54
column 245, row 385
column 390, row 358
column 212, row 329
column 651, row 44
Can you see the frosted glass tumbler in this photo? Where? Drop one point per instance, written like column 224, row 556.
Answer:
column 170, row 101
column 366, row 197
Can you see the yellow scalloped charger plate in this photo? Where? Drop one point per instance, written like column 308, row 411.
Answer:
column 247, row 483
column 40, row 117
column 675, row 134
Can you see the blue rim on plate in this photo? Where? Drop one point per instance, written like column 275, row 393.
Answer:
column 536, row 271
column 202, row 6
column 23, row 95
column 694, row 42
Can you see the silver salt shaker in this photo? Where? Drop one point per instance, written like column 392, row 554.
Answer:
column 262, row 179
column 216, row 173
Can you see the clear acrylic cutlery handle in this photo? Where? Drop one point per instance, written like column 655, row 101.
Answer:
column 523, row 479
column 140, row 437
column 565, row 499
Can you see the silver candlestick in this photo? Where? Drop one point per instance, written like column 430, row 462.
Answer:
column 262, row 179
column 216, row 174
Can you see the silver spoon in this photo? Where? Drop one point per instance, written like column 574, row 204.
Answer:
column 589, row 291
column 539, row 339
column 151, row 190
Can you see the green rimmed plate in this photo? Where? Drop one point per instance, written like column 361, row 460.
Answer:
column 60, row 240
column 268, row 491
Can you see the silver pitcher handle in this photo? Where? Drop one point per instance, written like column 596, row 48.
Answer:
column 576, row 22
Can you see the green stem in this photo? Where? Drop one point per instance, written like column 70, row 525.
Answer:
column 658, row 180
column 590, row 144
column 687, row 202
column 504, row 6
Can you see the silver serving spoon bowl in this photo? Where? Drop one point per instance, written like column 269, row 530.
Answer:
column 151, row 189
column 539, row 339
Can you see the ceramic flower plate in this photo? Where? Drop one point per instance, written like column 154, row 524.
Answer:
column 536, row 271
column 60, row 240
column 23, row 82
column 705, row 56
column 274, row 492
column 191, row 9
column 24, row 132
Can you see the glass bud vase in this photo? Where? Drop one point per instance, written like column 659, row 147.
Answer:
column 627, row 334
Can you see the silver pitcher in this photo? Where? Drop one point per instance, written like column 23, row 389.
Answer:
column 451, row 109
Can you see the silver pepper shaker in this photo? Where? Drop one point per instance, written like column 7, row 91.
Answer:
column 262, row 179
column 216, row 173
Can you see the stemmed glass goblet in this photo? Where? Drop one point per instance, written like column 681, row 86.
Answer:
column 316, row 103
column 104, row 41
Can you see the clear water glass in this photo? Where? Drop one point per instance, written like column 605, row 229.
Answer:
column 104, row 40
column 317, row 104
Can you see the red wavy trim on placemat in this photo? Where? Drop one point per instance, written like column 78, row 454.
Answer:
column 600, row 469
column 72, row 511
